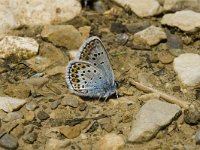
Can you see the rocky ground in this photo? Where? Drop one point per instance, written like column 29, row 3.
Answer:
column 153, row 42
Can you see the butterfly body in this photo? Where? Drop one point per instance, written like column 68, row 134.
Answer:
column 91, row 74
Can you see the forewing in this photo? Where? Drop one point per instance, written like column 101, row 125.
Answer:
column 94, row 52
column 85, row 79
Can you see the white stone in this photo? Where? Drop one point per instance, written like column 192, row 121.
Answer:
column 49, row 55
column 151, row 36
column 21, row 47
column 7, row 20
column 153, row 116
column 73, row 54
column 36, row 12
column 9, row 104
column 142, row 8
column 110, row 141
column 54, row 144
column 186, row 20
column 187, row 66
column 63, row 35
column 175, row 5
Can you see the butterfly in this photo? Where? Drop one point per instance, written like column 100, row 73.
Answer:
column 91, row 74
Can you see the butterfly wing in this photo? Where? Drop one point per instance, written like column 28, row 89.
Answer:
column 84, row 79
column 94, row 52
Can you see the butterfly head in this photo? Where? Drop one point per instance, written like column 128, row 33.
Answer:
column 112, row 90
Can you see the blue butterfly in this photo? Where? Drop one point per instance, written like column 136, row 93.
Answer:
column 91, row 74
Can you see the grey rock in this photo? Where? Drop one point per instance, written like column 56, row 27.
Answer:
column 30, row 138
column 56, row 122
column 153, row 116
column 8, row 142
column 13, row 116
column 174, row 42
column 99, row 6
column 121, row 38
column 42, row 115
column 197, row 137
column 192, row 116
column 136, row 27
column 28, row 129
column 54, row 104
column 118, row 27
column 31, row 106
column 70, row 100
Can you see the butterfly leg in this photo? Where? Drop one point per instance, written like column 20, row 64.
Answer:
column 106, row 98
column 99, row 98
column 117, row 94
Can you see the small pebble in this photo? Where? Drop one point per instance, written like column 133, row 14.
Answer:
column 122, row 38
column 106, row 124
column 54, row 104
column 154, row 58
column 8, row 142
column 70, row 100
column 191, row 116
column 197, row 95
column 70, row 132
column 82, row 106
column 31, row 106
column 138, row 26
column 29, row 116
column 29, row 128
column 30, row 138
column 165, row 57
column 197, row 137
column 99, row 6
column 56, row 122
column 176, row 52
column 174, row 42
column 187, row 40
column 176, row 89
column 118, row 28
column 42, row 115
column 110, row 141
column 13, row 116
column 18, row 131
